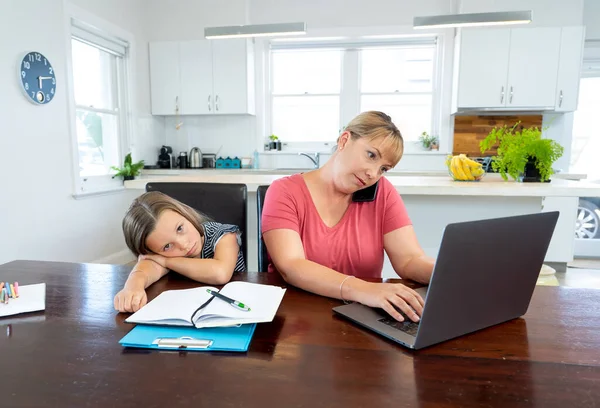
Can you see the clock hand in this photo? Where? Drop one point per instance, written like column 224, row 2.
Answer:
column 42, row 78
column 40, row 82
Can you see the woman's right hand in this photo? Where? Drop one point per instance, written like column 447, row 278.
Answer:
column 130, row 300
column 390, row 297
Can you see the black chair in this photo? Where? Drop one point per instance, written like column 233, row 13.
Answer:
column 224, row 203
column 263, row 259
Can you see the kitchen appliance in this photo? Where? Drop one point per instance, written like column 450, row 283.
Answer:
column 165, row 158
column 182, row 160
column 195, row 158
column 209, row 160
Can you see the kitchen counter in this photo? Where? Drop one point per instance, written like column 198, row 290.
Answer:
column 433, row 200
column 406, row 183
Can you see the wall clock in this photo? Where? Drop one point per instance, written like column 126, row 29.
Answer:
column 38, row 78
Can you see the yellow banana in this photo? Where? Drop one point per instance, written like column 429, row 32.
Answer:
column 457, row 169
column 465, row 167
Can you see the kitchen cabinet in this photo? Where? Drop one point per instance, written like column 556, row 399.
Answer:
column 517, row 69
column 204, row 77
column 569, row 68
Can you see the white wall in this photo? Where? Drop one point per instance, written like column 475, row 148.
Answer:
column 39, row 218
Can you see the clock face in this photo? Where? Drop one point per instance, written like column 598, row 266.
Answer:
column 37, row 78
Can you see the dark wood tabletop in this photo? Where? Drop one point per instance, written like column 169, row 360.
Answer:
column 69, row 355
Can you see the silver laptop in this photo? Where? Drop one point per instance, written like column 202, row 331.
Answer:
column 485, row 274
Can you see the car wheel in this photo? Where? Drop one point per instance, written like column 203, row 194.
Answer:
column 587, row 225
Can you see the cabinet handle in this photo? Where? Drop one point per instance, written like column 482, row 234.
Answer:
column 177, row 104
column 209, row 103
column 560, row 98
column 217, row 103
column 502, row 95
column 511, row 95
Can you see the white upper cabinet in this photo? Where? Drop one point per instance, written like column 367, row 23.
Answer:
column 569, row 69
column 202, row 77
column 483, row 68
column 533, row 67
column 517, row 69
column 165, row 80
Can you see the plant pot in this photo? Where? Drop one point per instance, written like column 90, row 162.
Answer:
column 278, row 145
column 532, row 174
column 125, row 178
column 273, row 145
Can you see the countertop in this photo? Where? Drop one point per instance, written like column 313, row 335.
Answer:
column 406, row 183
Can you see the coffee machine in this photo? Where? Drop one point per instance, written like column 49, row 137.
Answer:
column 165, row 158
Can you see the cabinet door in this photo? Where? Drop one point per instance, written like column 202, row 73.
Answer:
column 196, row 77
column 569, row 68
column 164, row 77
column 483, row 68
column 231, row 76
column 533, row 67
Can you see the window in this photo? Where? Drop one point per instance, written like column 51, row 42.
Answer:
column 98, row 63
column 317, row 88
column 586, row 140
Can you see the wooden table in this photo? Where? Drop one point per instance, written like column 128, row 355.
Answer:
column 69, row 355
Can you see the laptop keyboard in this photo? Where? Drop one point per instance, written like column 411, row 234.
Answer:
column 407, row 326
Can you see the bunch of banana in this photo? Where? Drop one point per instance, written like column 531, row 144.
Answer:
column 464, row 169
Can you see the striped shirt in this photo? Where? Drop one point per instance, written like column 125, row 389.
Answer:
column 213, row 231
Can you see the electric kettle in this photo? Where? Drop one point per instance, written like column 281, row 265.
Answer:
column 195, row 158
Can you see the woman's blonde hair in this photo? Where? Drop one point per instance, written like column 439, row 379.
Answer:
column 373, row 125
column 142, row 216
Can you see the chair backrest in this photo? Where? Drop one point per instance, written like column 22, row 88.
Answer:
column 224, row 203
column 263, row 259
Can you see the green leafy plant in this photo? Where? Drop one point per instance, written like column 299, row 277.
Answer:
column 273, row 138
column 518, row 147
column 129, row 169
column 428, row 140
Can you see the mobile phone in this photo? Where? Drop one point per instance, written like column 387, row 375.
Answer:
column 366, row 194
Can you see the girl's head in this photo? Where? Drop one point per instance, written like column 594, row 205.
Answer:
column 370, row 145
column 156, row 223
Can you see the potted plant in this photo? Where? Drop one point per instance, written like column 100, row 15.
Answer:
column 129, row 170
column 275, row 143
column 428, row 142
column 522, row 153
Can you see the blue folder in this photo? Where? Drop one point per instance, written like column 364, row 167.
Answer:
column 190, row 338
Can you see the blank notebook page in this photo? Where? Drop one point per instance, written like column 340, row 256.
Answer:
column 172, row 305
column 32, row 298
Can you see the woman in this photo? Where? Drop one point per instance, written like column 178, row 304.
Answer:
column 166, row 234
column 322, row 241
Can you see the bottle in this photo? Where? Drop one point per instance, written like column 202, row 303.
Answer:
column 255, row 159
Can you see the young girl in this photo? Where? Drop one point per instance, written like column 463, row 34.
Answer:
column 166, row 234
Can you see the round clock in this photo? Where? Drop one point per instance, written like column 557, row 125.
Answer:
column 37, row 78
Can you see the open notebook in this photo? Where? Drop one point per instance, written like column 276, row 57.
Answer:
column 197, row 307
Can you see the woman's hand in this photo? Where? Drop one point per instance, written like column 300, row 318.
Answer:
column 130, row 300
column 159, row 259
column 392, row 297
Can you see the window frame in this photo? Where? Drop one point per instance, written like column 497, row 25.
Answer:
column 350, row 96
column 78, row 22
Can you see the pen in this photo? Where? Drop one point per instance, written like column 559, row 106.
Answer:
column 232, row 302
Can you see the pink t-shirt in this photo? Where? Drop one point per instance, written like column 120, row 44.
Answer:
column 354, row 246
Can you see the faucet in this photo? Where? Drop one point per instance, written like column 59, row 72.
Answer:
column 315, row 160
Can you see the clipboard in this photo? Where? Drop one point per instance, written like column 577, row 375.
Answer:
column 235, row 339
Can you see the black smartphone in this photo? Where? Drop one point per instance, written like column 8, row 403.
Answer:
column 366, row 194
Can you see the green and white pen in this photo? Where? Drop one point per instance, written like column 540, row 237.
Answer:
column 234, row 303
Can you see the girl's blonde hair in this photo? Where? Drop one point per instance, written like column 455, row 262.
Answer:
column 373, row 125
column 142, row 216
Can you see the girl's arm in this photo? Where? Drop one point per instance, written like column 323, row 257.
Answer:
column 216, row 271
column 133, row 295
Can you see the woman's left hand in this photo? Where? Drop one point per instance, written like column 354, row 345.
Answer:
column 161, row 260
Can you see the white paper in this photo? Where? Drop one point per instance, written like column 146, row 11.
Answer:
column 172, row 307
column 32, row 298
column 263, row 301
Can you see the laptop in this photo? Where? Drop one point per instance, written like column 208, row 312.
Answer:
column 484, row 274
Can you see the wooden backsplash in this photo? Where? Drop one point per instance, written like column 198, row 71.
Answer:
column 470, row 130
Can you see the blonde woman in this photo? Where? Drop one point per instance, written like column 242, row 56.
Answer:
column 326, row 229
column 166, row 234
